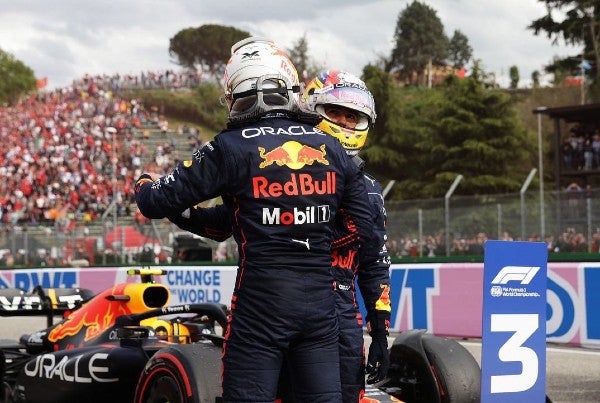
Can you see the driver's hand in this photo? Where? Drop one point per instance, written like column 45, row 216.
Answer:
column 378, row 361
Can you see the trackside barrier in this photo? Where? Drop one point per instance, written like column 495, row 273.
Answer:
column 443, row 298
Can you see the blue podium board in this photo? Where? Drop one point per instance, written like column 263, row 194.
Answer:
column 513, row 354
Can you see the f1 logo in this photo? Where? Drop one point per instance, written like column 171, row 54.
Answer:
column 523, row 274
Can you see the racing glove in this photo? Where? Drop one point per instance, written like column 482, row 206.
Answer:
column 144, row 178
column 378, row 361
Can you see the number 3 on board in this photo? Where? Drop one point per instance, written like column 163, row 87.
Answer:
column 523, row 326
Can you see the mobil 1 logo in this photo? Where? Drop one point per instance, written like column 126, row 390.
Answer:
column 513, row 356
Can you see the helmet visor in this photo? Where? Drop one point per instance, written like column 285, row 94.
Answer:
column 344, row 116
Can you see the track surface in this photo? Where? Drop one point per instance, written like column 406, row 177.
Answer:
column 573, row 374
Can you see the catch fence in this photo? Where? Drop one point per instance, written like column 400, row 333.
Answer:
column 453, row 226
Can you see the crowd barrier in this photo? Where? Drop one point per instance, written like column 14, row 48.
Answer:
column 443, row 298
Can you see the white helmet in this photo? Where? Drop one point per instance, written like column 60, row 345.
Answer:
column 259, row 78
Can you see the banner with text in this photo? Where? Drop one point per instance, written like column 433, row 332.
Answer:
column 443, row 298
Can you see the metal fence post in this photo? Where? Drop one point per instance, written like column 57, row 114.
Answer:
column 420, row 216
column 539, row 111
column 588, row 204
column 522, row 194
column 447, row 210
column 499, row 213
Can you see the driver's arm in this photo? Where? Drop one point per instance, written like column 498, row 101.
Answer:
column 210, row 222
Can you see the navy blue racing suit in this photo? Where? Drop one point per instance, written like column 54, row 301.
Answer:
column 284, row 182
column 370, row 266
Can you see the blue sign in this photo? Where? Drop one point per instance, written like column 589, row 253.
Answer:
column 412, row 287
column 513, row 355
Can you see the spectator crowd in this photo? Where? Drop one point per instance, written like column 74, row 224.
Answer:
column 67, row 154
column 435, row 245
column 167, row 79
column 581, row 149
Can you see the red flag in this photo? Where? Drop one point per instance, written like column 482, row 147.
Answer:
column 41, row 83
column 573, row 81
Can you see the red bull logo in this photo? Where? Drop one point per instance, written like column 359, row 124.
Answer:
column 298, row 185
column 293, row 154
column 89, row 321
column 307, row 155
column 342, row 260
column 277, row 156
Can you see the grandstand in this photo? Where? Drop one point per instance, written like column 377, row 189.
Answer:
column 67, row 169
column 69, row 159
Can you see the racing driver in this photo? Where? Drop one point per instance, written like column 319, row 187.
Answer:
column 347, row 110
column 285, row 183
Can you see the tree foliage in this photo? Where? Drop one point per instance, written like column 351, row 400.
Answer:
column 513, row 73
column 535, row 79
column 305, row 66
column 206, row 48
column 459, row 50
column 479, row 74
column 419, row 39
column 183, row 47
column 577, row 22
column 424, row 138
column 383, row 144
column 16, row 79
column 299, row 55
column 479, row 135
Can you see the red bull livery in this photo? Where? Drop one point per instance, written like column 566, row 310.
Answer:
column 285, row 188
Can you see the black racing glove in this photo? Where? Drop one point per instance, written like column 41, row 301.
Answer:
column 144, row 178
column 378, row 361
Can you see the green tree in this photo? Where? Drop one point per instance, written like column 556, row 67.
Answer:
column 535, row 79
column 182, row 47
column 459, row 50
column 306, row 67
column 299, row 55
column 478, row 135
column 382, row 145
column 206, row 48
column 577, row 22
column 513, row 72
column 16, row 79
column 425, row 138
column 481, row 76
column 402, row 124
column 419, row 40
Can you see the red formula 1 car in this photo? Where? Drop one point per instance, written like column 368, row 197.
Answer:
column 127, row 344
